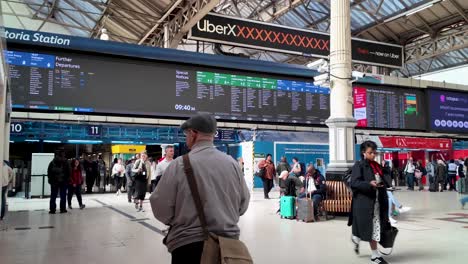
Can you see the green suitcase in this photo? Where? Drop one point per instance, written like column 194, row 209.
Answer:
column 288, row 207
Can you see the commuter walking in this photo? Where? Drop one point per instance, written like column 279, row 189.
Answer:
column 130, row 179
column 58, row 174
column 440, row 175
column 76, row 180
column 369, row 213
column 142, row 170
column 419, row 173
column 268, row 175
column 283, row 165
column 88, row 168
column 452, row 175
column 163, row 164
column 154, row 163
column 7, row 179
column 118, row 173
column 461, row 174
column 409, row 172
column 222, row 188
column 430, row 172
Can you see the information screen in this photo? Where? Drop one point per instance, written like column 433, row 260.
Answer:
column 448, row 111
column 387, row 107
column 64, row 81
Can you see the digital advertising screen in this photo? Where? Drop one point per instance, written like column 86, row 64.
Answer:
column 389, row 108
column 448, row 111
column 75, row 82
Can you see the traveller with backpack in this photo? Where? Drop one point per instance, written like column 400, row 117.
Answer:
column 58, row 174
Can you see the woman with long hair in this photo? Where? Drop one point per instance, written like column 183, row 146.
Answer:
column 76, row 180
column 369, row 210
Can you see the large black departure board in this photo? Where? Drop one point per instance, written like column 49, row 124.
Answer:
column 388, row 107
column 75, row 82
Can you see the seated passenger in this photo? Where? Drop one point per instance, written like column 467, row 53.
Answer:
column 316, row 188
column 282, row 182
column 294, row 186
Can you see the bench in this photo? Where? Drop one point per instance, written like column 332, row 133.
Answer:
column 338, row 199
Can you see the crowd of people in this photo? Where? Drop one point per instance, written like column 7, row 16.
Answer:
column 439, row 175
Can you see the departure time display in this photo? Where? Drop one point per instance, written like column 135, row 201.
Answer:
column 65, row 81
column 386, row 107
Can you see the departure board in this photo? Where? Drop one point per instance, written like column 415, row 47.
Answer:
column 386, row 107
column 72, row 82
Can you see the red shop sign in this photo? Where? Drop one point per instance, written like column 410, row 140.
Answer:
column 416, row 143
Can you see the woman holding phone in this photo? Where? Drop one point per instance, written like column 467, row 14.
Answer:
column 369, row 210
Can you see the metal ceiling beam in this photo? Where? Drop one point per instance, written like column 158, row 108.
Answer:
column 172, row 33
column 431, row 48
column 51, row 12
column 459, row 9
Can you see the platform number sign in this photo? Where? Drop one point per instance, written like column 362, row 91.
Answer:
column 16, row 128
column 94, row 130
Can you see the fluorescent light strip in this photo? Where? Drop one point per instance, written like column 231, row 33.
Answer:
column 420, row 9
column 52, row 141
column 31, row 140
column 79, row 141
column 413, row 10
column 123, row 142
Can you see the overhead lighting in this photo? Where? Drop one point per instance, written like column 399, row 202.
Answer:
column 79, row 141
column 31, row 140
column 413, row 10
column 419, row 9
column 121, row 142
column 316, row 64
column 52, row 141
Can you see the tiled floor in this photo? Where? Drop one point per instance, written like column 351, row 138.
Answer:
column 110, row 230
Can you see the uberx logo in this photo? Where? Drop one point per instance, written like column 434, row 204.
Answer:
column 206, row 26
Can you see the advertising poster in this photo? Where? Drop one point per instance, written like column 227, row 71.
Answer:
column 448, row 111
column 315, row 154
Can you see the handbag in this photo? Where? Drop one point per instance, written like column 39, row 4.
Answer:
column 418, row 174
column 261, row 173
column 387, row 238
column 216, row 249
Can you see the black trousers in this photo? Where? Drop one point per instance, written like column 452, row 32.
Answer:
column 55, row 189
column 267, row 186
column 130, row 190
column 118, row 182
column 188, row 254
column 74, row 190
column 90, row 178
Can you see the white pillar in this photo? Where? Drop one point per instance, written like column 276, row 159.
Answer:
column 341, row 122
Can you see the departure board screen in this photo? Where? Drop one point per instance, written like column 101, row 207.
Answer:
column 387, row 107
column 448, row 111
column 74, row 82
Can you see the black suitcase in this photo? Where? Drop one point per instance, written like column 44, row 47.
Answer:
column 433, row 187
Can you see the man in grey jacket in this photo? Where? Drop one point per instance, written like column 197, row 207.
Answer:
column 222, row 187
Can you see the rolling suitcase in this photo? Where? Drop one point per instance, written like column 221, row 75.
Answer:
column 305, row 210
column 433, row 186
column 288, row 207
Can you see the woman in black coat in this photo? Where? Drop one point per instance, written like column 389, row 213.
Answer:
column 369, row 210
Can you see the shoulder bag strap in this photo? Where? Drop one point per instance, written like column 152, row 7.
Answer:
column 195, row 193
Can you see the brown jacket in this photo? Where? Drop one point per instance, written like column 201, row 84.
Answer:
column 270, row 171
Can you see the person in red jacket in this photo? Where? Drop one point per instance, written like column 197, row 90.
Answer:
column 268, row 175
column 76, row 180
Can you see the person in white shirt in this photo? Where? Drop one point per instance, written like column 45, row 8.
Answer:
column 409, row 171
column 163, row 164
column 118, row 173
column 7, row 174
column 153, row 175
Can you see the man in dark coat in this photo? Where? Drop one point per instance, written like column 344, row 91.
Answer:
column 58, row 174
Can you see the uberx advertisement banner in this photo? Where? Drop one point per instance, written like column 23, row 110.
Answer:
column 448, row 111
column 266, row 36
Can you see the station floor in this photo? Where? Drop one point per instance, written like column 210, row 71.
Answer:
column 110, row 230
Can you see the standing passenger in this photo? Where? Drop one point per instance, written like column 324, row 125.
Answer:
column 130, row 179
column 7, row 179
column 76, row 180
column 162, row 166
column 224, row 194
column 268, row 176
column 58, row 174
column 452, row 174
column 440, row 175
column 142, row 170
column 118, row 173
column 369, row 213
column 409, row 172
